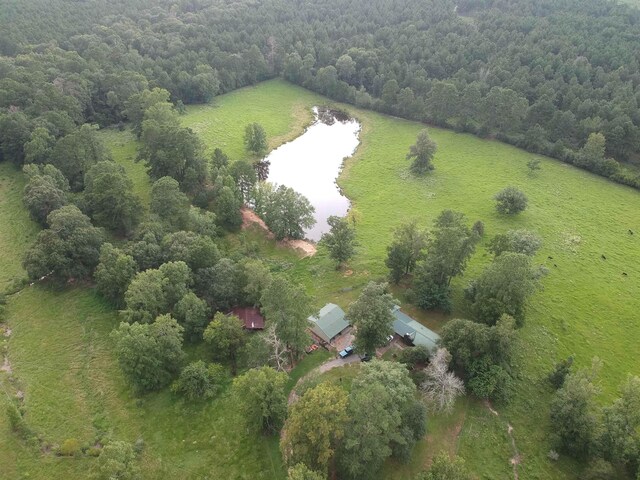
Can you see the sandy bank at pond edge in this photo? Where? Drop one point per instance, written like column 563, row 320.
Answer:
column 249, row 218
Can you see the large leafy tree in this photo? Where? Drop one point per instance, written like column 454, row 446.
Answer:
column 449, row 247
column 46, row 191
column 315, row 426
column 483, row 354
column 379, row 402
column 620, row 438
column 573, row 414
column 406, row 249
column 114, row 273
column 288, row 307
column 193, row 314
column 170, row 150
column 108, row 192
column 150, row 355
column 199, row 381
column 169, row 203
column 516, row 241
column 511, row 201
column 76, row 152
column 255, row 138
column 138, row 103
column 226, row 336
column 503, row 288
column 340, row 240
column 421, row 153
column 261, row 397
column 371, row 315
column 445, row 467
column 286, row 212
column 69, row 248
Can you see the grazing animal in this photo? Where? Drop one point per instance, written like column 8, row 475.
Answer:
column 624, row 274
column 555, row 265
column 603, row 257
column 630, row 232
column 550, row 258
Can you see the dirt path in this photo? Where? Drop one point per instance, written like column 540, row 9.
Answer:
column 516, row 459
column 250, row 218
column 325, row 367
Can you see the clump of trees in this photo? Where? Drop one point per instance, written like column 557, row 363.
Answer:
column 284, row 211
column 449, row 247
column 407, row 248
column 371, row 315
column 199, row 381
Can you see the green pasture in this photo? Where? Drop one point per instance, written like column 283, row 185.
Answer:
column 63, row 361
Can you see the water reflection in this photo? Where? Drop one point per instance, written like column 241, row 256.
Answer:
column 311, row 163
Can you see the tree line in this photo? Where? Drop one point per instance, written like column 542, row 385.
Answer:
column 558, row 78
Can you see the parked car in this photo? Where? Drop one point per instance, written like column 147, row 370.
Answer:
column 346, row 352
column 366, row 358
column 389, row 338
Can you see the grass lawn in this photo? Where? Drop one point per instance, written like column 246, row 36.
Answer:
column 587, row 307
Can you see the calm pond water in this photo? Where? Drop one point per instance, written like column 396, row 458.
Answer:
column 311, row 163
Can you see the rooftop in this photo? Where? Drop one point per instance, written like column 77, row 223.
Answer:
column 329, row 322
column 250, row 316
column 407, row 327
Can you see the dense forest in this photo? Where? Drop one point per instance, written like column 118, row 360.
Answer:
column 544, row 75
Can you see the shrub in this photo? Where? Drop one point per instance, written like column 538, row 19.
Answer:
column 478, row 228
column 200, row 381
column 511, row 201
column 69, row 447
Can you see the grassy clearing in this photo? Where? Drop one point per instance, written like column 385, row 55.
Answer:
column 17, row 230
column 587, row 307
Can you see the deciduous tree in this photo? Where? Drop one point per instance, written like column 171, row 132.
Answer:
column 421, row 153
column 371, row 315
column 340, row 240
column 226, row 336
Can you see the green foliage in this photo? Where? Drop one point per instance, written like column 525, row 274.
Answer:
column 220, row 285
column 69, row 448
column 75, row 153
column 302, row 472
column 380, row 397
column 257, row 278
column 109, row 196
column 193, row 314
column 422, row 153
column 169, row 203
column 534, row 165
column 314, row 427
column 114, row 273
column 118, row 461
column 510, row 201
column 620, row 438
column 405, row 251
column 285, row 212
column 414, row 357
column 227, row 208
column 170, row 150
column 340, row 240
column 150, row 355
column 503, row 288
column 227, row 336
column 68, row 249
column 560, row 371
column 484, row 354
column 371, row 315
column 197, row 251
column 138, row 103
column 45, row 191
column 199, row 381
column 573, row 414
column 261, row 397
column 287, row 306
column 245, row 177
column 255, row 138
column 449, row 248
column 516, row 241
column 446, row 468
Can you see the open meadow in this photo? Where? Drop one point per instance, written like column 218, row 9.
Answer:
column 62, row 358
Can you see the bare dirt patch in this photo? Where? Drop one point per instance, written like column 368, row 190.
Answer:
column 6, row 366
column 250, row 219
column 307, row 249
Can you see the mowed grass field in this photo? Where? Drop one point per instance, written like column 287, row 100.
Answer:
column 587, row 307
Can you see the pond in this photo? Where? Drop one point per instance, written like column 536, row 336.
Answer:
column 311, row 163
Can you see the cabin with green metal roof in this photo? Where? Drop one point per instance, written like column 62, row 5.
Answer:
column 329, row 323
column 412, row 331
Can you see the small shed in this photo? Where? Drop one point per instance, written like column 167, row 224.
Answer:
column 413, row 331
column 251, row 317
column 329, row 323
